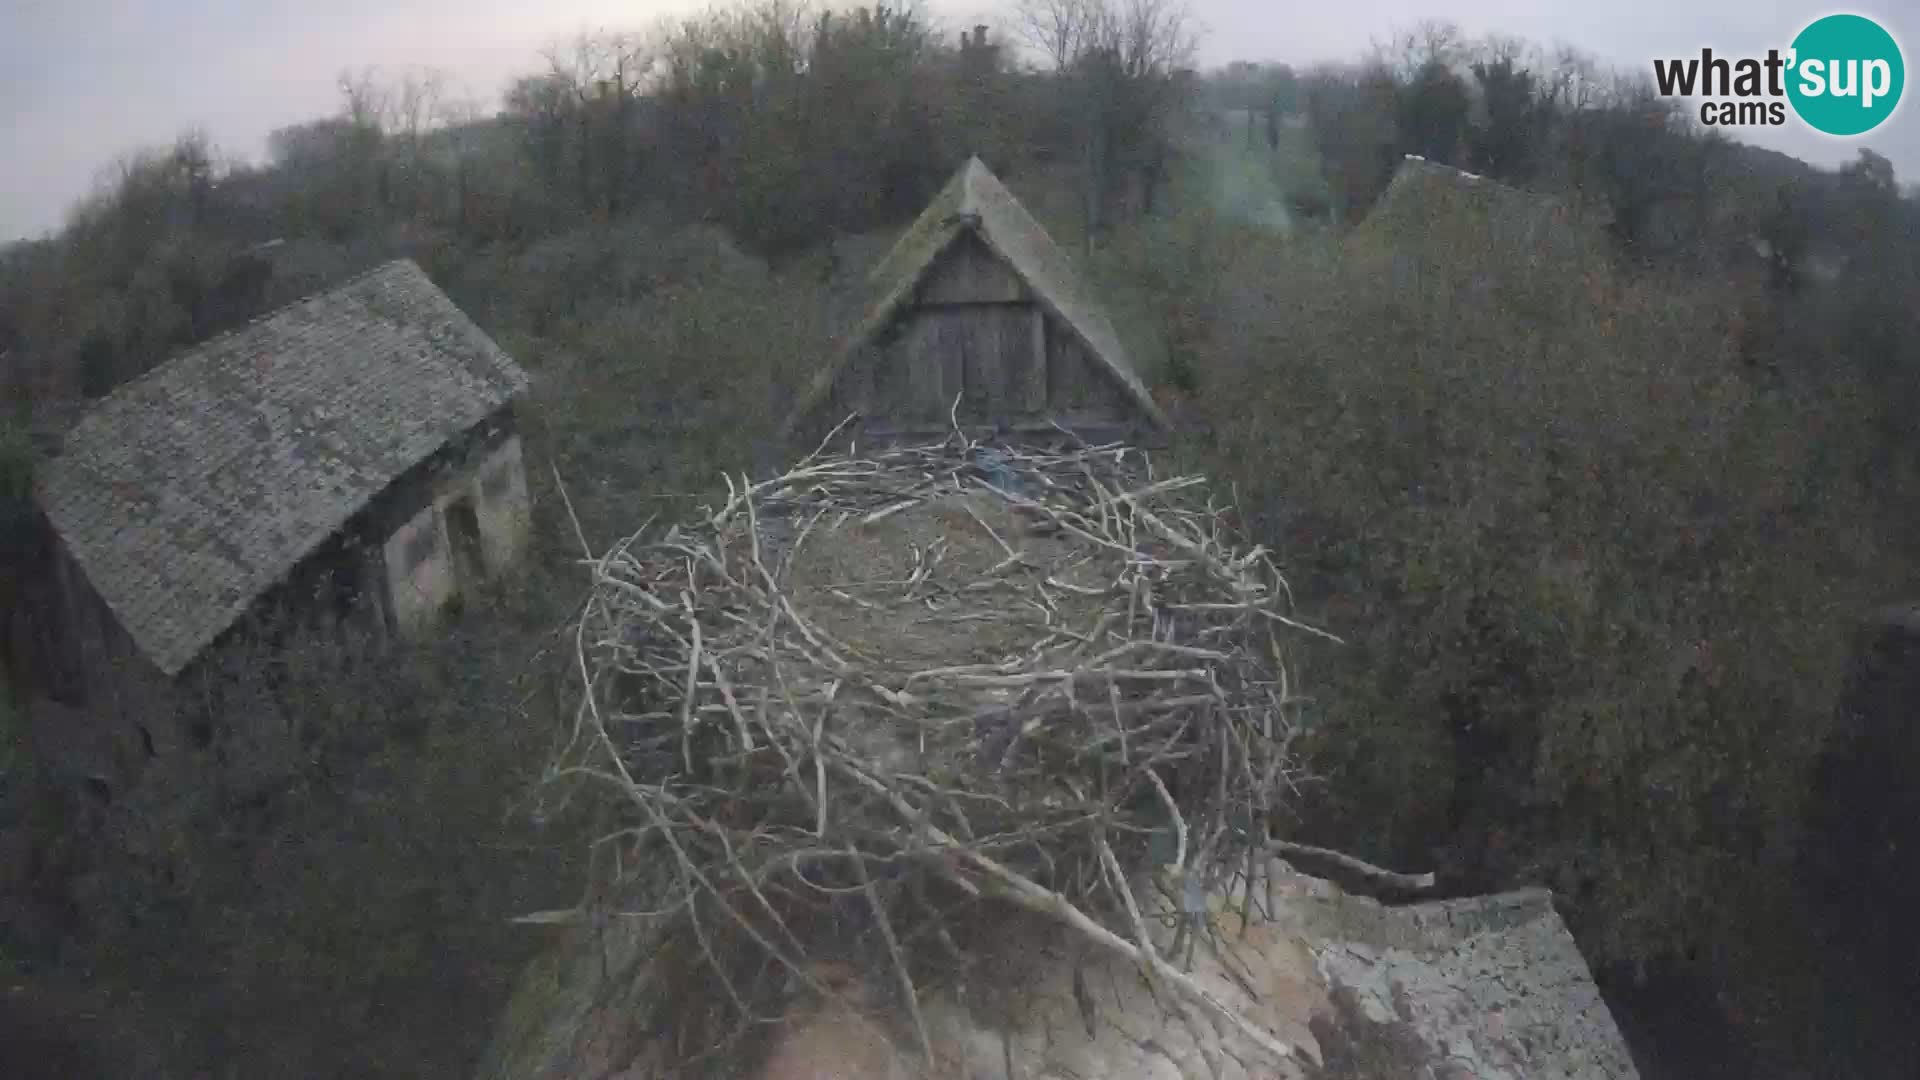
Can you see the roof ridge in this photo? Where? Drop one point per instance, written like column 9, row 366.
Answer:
column 975, row 200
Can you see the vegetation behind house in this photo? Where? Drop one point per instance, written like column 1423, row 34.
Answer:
column 1598, row 528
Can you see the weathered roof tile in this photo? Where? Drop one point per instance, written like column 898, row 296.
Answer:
column 187, row 493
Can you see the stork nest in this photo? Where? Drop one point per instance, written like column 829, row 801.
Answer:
column 889, row 688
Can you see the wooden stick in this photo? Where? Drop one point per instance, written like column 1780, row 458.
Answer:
column 1029, row 894
column 1358, row 868
column 893, row 949
column 1141, row 595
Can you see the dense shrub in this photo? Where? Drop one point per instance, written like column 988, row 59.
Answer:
column 1598, row 582
column 272, row 916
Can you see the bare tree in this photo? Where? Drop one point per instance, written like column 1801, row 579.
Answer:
column 1121, row 57
column 456, row 118
column 598, row 63
column 365, row 100
column 1146, row 36
column 457, row 111
column 1062, row 30
column 1502, row 49
column 1429, row 41
column 414, row 102
column 1574, row 82
column 592, row 84
column 1152, row 37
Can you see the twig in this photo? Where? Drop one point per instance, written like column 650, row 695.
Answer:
column 1028, row 894
column 893, row 949
column 1137, row 649
column 1358, row 868
column 586, row 550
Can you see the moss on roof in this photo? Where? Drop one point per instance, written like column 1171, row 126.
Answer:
column 975, row 201
column 189, row 492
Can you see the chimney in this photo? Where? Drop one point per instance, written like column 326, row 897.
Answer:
column 980, row 35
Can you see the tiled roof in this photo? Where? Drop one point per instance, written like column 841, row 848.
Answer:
column 975, row 200
column 187, row 493
column 1494, row 985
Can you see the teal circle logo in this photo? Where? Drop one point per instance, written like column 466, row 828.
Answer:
column 1846, row 75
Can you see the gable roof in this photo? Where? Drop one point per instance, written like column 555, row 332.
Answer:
column 1429, row 203
column 187, row 493
column 975, row 201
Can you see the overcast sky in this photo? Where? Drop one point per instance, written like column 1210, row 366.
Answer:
column 82, row 81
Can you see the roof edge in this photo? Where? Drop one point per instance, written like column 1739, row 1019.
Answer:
column 1135, row 387
column 870, row 324
column 235, row 331
column 975, row 193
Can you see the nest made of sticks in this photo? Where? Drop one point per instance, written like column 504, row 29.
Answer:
column 891, row 687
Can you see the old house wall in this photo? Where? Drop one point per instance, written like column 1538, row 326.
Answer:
column 478, row 482
column 970, row 273
column 41, row 657
column 974, row 331
column 505, row 508
column 1079, row 390
column 419, row 570
column 216, row 728
column 99, row 709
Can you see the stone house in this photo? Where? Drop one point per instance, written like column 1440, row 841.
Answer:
column 976, row 305
column 351, row 455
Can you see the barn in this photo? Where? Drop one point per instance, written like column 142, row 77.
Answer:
column 353, row 454
column 977, row 316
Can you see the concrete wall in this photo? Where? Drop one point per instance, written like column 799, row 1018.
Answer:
column 504, row 508
column 419, row 564
column 422, row 571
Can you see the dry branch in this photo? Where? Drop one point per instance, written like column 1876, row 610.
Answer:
column 1342, row 865
column 881, row 688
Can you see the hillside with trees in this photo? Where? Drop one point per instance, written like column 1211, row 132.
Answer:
column 1598, row 519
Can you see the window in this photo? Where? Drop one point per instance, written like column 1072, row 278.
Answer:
column 463, row 531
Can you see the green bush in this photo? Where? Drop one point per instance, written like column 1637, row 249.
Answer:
column 1598, row 584
column 16, row 516
column 285, row 927
column 661, row 393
